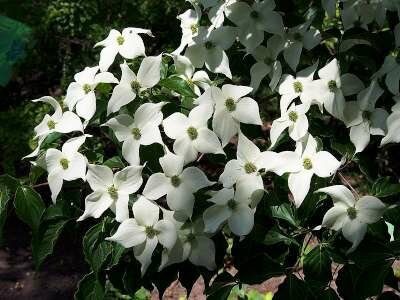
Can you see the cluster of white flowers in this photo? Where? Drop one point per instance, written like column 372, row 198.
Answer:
column 234, row 198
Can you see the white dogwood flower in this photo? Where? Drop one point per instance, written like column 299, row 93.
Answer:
column 320, row 163
column 233, row 206
column 131, row 85
column 111, row 190
column 67, row 164
column 254, row 20
column 209, row 49
column 391, row 69
column 357, row 13
column 191, row 133
column 192, row 244
column 351, row 215
column 393, row 129
column 250, row 160
column 297, row 38
column 231, row 109
column 295, row 119
column 145, row 231
column 331, row 88
column 59, row 121
column 81, row 93
column 267, row 63
column 190, row 28
column 142, row 129
column 128, row 44
column 363, row 118
column 177, row 183
column 217, row 11
column 186, row 71
column 292, row 87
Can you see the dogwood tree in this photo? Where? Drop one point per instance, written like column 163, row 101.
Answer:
column 208, row 154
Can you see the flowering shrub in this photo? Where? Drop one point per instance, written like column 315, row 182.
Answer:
column 184, row 170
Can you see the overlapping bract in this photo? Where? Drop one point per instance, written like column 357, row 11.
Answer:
column 212, row 124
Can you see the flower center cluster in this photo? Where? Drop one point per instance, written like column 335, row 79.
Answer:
column 352, row 213
column 209, row 45
column 194, row 28
column 293, row 116
column 192, row 133
column 136, row 133
column 51, row 124
column 254, row 14
column 366, row 115
column 298, row 87
column 175, row 180
column 230, row 104
column 135, row 86
column 232, row 204
column 307, row 164
column 86, row 88
column 249, row 167
column 113, row 192
column 269, row 61
column 151, row 232
column 332, row 85
column 190, row 237
column 64, row 163
column 120, row 40
column 297, row 36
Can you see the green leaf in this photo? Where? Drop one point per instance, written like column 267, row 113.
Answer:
column 90, row 288
column 8, row 186
column 384, row 188
column 292, row 288
column 266, row 268
column 4, row 201
column 285, row 212
column 43, row 245
column 274, row 236
column 356, row 283
column 114, row 162
column 178, row 85
column 99, row 252
column 317, row 265
column 29, row 207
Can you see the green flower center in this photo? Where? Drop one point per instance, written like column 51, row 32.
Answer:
column 151, row 232
column 332, row 85
column 297, row 37
column 293, row 116
column 366, row 115
column 120, row 40
column 64, row 163
column 307, row 164
column 232, row 204
column 136, row 133
column 230, row 104
column 194, row 28
column 269, row 61
column 113, row 192
column 51, row 124
column 249, row 167
column 190, row 237
column 298, row 87
column 254, row 14
column 209, row 45
column 135, row 86
column 86, row 88
column 352, row 213
column 192, row 133
column 175, row 181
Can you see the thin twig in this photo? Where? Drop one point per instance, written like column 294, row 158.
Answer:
column 40, row 185
column 344, row 180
